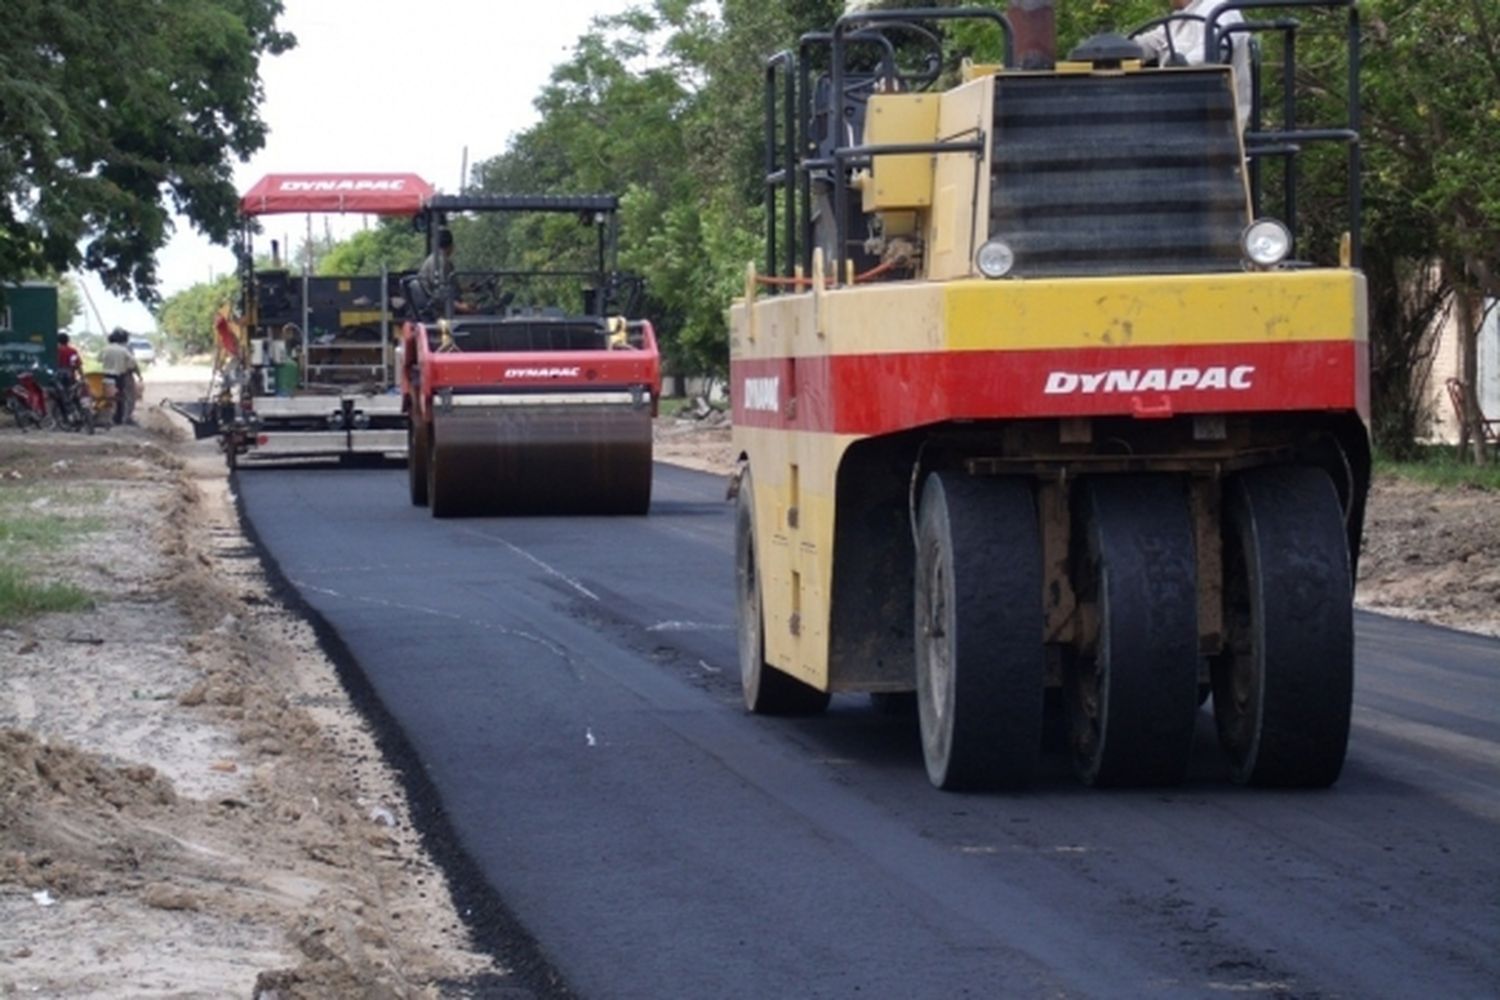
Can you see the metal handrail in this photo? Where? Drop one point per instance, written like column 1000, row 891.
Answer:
column 863, row 21
column 1349, row 135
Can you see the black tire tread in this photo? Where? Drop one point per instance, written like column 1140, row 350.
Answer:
column 416, row 463
column 1289, row 525
column 1140, row 541
column 991, row 540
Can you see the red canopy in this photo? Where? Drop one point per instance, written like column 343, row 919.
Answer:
column 373, row 194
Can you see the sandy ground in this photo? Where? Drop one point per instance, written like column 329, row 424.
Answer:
column 1432, row 555
column 189, row 806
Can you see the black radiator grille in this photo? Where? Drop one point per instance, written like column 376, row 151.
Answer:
column 1131, row 174
column 530, row 335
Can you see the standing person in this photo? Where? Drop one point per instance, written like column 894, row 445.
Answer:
column 121, row 371
column 68, row 360
column 1187, row 41
column 69, row 378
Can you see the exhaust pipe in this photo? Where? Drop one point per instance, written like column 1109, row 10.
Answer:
column 1035, row 26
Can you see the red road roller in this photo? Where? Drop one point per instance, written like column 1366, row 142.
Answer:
column 529, row 408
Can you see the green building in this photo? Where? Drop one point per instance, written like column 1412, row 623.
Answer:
column 28, row 327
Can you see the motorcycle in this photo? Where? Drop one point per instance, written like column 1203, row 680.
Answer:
column 27, row 402
column 72, row 405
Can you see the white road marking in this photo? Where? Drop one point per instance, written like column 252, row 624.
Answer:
column 541, row 564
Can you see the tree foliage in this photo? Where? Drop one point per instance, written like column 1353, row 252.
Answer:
column 115, row 113
column 1432, row 90
column 186, row 319
column 69, row 300
column 392, row 244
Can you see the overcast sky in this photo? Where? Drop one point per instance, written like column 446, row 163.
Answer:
column 376, row 85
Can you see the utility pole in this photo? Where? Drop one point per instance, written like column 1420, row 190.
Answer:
column 83, row 284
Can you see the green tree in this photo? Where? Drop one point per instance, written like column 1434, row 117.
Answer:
column 186, row 319
column 392, row 244
column 69, row 301
column 114, row 113
column 1432, row 98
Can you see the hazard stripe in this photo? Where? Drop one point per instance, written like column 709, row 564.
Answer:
column 865, row 394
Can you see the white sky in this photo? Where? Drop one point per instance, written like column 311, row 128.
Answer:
column 377, row 85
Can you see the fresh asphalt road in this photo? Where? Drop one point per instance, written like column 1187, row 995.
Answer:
column 567, row 691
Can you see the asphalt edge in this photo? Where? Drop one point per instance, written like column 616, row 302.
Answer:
column 493, row 927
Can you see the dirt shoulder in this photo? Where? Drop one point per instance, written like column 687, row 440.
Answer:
column 189, row 807
column 1432, row 554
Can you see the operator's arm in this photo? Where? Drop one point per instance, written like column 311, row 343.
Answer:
column 1153, row 45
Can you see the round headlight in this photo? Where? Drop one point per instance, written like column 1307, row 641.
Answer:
column 1266, row 242
column 995, row 259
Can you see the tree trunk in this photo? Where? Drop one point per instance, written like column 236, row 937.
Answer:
column 1468, row 302
column 1477, row 282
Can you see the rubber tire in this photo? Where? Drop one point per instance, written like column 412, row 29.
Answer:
column 439, row 499
column 18, row 413
column 767, row 690
column 980, row 663
column 416, row 463
column 1289, row 612
column 1132, row 708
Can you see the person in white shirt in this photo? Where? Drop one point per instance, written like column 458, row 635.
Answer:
column 1187, row 39
column 121, row 370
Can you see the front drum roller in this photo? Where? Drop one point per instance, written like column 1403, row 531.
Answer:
column 981, row 670
column 1284, row 685
column 767, row 690
column 546, row 459
column 1132, row 705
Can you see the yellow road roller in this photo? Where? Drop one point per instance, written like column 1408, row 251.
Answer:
column 1039, row 406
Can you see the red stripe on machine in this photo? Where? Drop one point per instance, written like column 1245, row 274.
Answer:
column 882, row 393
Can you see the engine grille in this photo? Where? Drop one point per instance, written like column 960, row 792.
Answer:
column 530, row 335
column 1140, row 173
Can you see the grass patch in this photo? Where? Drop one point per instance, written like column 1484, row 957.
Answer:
column 53, row 494
column 22, row 598
column 31, row 531
column 24, row 524
column 1439, row 465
